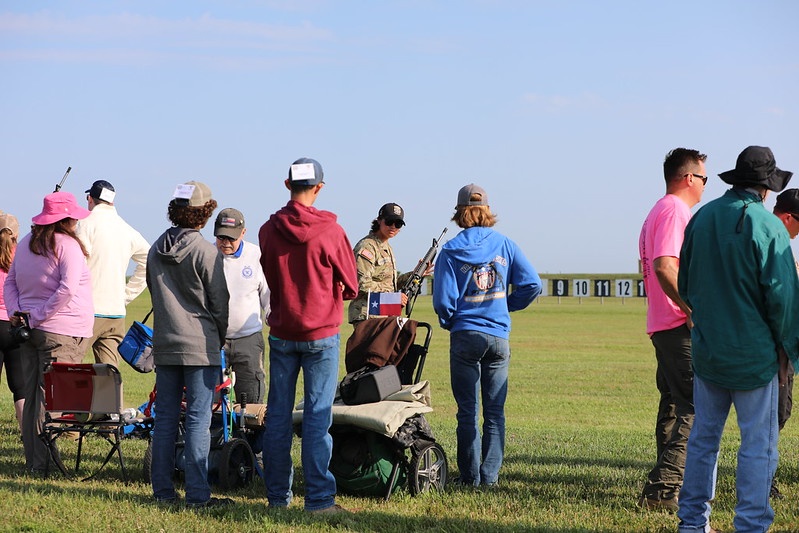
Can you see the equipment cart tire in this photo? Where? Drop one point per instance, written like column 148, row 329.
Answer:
column 427, row 469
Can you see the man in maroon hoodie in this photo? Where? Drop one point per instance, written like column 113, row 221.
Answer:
column 309, row 266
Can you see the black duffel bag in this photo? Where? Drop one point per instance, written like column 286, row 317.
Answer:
column 369, row 384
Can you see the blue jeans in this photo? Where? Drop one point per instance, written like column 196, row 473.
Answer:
column 478, row 365
column 757, row 457
column 319, row 362
column 199, row 382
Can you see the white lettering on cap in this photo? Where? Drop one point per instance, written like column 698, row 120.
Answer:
column 183, row 191
column 302, row 172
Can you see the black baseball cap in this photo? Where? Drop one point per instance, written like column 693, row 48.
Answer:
column 102, row 190
column 392, row 213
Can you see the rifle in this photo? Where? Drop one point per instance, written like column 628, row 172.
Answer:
column 414, row 283
column 59, row 185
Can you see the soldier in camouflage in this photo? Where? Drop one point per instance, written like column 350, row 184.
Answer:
column 377, row 269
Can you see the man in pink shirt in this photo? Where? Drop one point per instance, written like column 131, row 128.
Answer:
column 668, row 323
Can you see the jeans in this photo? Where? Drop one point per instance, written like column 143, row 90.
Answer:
column 319, row 363
column 757, row 457
column 199, row 382
column 674, row 379
column 479, row 370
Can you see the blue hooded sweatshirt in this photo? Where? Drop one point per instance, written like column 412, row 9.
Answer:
column 473, row 276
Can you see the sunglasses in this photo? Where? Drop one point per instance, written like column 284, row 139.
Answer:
column 225, row 238
column 396, row 223
column 700, row 176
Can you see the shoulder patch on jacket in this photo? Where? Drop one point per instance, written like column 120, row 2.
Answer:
column 366, row 254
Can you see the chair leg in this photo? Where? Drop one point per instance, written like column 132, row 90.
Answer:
column 80, row 449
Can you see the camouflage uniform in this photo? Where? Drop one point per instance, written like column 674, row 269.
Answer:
column 377, row 272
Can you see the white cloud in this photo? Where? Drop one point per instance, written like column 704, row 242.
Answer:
column 128, row 38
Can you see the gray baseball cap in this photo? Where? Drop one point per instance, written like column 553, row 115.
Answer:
column 472, row 195
column 229, row 223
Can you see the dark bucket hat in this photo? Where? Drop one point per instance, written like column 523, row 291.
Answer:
column 756, row 166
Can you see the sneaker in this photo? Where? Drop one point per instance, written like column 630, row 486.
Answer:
column 333, row 509
column 658, row 504
column 212, row 503
column 775, row 493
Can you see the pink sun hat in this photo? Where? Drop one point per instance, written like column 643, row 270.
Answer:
column 58, row 206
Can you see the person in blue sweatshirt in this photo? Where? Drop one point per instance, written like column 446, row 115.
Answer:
column 473, row 300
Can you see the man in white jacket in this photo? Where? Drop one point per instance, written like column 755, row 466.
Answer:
column 249, row 305
column 111, row 244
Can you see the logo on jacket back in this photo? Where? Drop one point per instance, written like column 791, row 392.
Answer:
column 486, row 282
column 485, row 276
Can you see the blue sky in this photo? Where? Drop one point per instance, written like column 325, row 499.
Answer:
column 563, row 111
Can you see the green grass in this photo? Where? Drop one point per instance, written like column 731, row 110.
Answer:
column 580, row 419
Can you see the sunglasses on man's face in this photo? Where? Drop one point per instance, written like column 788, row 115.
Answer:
column 700, row 176
column 225, row 238
column 396, row 223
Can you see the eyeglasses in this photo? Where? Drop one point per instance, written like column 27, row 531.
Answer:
column 700, row 176
column 225, row 238
column 795, row 217
column 396, row 223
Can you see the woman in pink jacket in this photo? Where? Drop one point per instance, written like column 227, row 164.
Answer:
column 49, row 284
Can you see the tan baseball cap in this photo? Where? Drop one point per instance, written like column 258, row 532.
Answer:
column 9, row 222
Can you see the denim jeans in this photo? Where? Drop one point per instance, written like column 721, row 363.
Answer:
column 478, row 365
column 319, row 363
column 674, row 379
column 757, row 456
column 199, row 382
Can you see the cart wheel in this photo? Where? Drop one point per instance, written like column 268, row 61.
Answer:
column 427, row 469
column 236, row 464
column 147, row 464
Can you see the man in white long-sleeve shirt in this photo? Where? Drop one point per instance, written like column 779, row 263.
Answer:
column 249, row 305
column 111, row 244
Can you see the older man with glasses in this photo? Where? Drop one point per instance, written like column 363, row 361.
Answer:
column 249, row 306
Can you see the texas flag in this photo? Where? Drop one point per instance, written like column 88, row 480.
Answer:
column 385, row 304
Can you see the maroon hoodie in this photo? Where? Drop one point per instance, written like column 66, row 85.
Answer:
column 307, row 260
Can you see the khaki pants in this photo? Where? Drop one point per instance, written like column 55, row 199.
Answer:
column 40, row 350
column 108, row 333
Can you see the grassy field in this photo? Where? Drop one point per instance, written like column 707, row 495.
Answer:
column 580, row 419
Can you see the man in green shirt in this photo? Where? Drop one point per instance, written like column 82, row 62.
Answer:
column 737, row 275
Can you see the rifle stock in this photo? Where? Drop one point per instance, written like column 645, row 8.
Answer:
column 413, row 285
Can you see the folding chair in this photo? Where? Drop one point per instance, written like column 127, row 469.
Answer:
column 83, row 399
